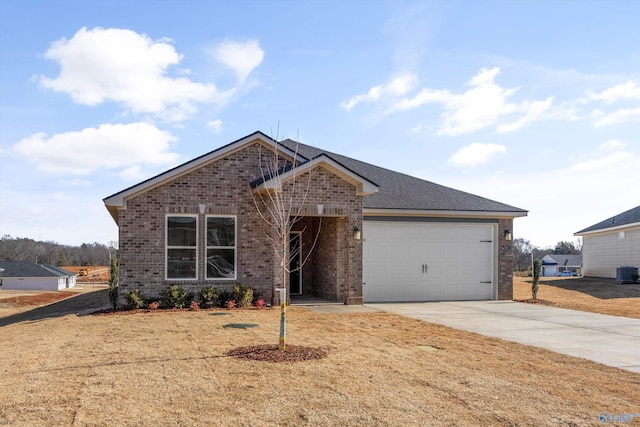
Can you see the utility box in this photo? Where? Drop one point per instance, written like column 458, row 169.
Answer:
column 626, row 274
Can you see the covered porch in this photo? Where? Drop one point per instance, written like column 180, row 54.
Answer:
column 325, row 269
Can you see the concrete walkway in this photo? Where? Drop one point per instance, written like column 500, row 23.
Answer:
column 610, row 340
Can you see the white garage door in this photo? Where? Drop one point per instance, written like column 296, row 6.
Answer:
column 417, row 261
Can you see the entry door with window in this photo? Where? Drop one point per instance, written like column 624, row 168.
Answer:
column 295, row 262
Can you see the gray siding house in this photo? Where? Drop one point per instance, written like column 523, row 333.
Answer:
column 22, row 275
column 612, row 243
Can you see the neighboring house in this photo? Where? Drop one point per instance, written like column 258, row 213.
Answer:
column 612, row 243
column 382, row 235
column 30, row 276
column 558, row 265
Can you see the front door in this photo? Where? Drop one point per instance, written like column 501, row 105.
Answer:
column 295, row 263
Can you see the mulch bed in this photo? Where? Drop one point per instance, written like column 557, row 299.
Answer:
column 536, row 301
column 270, row 353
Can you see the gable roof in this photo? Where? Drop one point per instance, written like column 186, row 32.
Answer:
column 117, row 200
column 31, row 269
column 385, row 190
column 398, row 191
column 623, row 220
column 364, row 186
column 562, row 260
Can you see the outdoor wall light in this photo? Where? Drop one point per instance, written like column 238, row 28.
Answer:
column 507, row 235
column 357, row 234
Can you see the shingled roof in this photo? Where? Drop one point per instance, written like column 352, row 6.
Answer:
column 632, row 216
column 401, row 191
column 31, row 269
column 395, row 190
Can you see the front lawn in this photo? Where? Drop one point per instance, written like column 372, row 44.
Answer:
column 171, row 368
column 593, row 294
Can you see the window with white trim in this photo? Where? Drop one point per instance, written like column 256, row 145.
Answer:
column 221, row 247
column 182, row 247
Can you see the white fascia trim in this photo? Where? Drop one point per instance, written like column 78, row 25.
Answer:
column 363, row 185
column 439, row 213
column 625, row 227
column 118, row 200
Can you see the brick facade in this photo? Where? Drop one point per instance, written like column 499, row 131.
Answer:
column 505, row 260
column 331, row 209
column 222, row 188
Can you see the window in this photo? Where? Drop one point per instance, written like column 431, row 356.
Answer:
column 221, row 247
column 182, row 247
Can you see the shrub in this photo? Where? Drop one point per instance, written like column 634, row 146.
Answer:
column 134, row 299
column 176, row 297
column 154, row 305
column 114, row 273
column 230, row 304
column 256, row 296
column 260, row 303
column 225, row 296
column 537, row 264
column 194, row 306
column 243, row 295
column 209, row 297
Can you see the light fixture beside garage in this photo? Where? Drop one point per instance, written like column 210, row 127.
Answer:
column 507, row 235
column 357, row 234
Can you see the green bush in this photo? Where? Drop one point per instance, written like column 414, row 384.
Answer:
column 209, row 297
column 114, row 273
column 176, row 297
column 537, row 265
column 243, row 296
column 256, row 297
column 134, row 299
column 225, row 296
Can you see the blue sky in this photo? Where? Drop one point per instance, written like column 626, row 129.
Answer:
column 532, row 103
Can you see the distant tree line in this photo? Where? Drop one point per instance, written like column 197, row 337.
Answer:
column 522, row 250
column 24, row 249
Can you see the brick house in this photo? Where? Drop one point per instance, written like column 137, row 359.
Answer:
column 367, row 233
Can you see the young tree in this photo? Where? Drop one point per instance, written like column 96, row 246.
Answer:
column 281, row 205
column 114, row 277
column 537, row 265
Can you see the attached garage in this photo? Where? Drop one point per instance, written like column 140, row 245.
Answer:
column 419, row 260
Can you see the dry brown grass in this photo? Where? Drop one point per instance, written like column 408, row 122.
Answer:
column 170, row 368
column 584, row 293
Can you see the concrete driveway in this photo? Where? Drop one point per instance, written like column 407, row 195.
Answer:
column 610, row 340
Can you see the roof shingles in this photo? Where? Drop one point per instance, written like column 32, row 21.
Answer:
column 631, row 216
column 401, row 191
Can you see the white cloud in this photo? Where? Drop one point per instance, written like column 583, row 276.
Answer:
column 123, row 66
column 476, row 154
column 241, row 57
column 532, row 112
column 216, row 125
column 482, row 106
column 628, row 90
column 76, row 182
column 611, row 144
column 619, row 116
column 398, row 86
column 560, row 201
column 596, row 165
column 109, row 146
